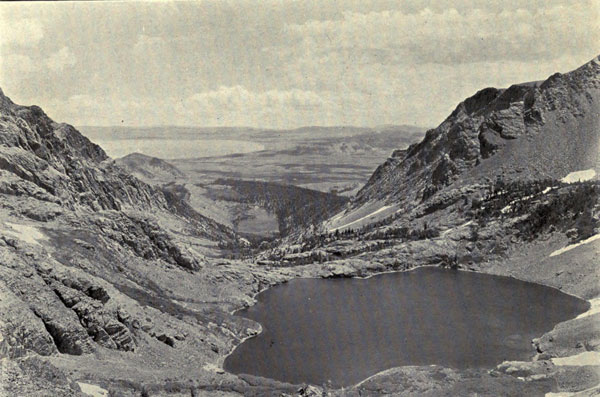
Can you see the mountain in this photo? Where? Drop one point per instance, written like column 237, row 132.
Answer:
column 111, row 284
column 148, row 167
column 502, row 157
column 59, row 165
column 506, row 185
column 525, row 132
column 95, row 262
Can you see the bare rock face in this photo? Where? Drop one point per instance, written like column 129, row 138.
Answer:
column 148, row 240
column 95, row 261
column 20, row 329
column 64, row 164
column 60, row 323
column 103, row 326
column 62, row 170
column 48, row 309
column 532, row 130
column 33, row 376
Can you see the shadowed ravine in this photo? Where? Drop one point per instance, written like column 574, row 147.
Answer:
column 344, row 330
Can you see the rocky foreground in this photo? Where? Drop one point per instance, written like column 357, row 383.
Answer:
column 110, row 285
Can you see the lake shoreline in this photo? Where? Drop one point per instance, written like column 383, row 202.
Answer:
column 379, row 273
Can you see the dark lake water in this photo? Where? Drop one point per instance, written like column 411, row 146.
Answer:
column 345, row 330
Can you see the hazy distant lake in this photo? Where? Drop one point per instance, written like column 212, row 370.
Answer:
column 345, row 330
column 177, row 148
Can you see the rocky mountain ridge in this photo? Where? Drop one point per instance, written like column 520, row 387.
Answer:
column 62, row 165
column 91, row 258
column 496, row 188
column 496, row 133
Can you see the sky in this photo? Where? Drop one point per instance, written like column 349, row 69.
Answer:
column 282, row 64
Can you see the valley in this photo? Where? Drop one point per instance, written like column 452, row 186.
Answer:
column 332, row 160
column 124, row 274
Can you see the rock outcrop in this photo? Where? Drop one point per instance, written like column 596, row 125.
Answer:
column 500, row 132
column 63, row 165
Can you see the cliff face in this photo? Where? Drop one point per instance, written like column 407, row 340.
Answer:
column 93, row 260
column 527, row 131
column 60, row 164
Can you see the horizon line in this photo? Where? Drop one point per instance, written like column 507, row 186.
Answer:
column 252, row 127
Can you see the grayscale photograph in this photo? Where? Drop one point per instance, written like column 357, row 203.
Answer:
column 300, row 198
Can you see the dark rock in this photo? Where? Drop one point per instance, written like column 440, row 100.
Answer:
column 166, row 339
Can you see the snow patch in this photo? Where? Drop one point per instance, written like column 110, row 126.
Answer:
column 445, row 232
column 29, row 234
column 594, row 308
column 213, row 368
column 586, row 392
column 385, row 207
column 337, row 216
column 510, row 205
column 570, row 247
column 585, row 358
column 579, row 176
column 92, row 390
column 560, row 394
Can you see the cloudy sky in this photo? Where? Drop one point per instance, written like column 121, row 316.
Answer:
column 282, row 63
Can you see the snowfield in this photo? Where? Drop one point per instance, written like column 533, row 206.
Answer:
column 29, row 234
column 385, row 207
column 585, row 358
column 570, row 247
column 594, row 308
column 579, row 176
column 92, row 390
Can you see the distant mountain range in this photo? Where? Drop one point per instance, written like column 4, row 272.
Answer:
column 238, row 133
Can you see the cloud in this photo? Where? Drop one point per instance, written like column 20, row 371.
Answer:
column 225, row 106
column 453, row 37
column 85, row 109
column 61, row 59
column 231, row 98
column 16, row 62
column 146, row 43
column 237, row 105
column 287, row 64
column 362, row 95
column 17, row 67
column 25, row 32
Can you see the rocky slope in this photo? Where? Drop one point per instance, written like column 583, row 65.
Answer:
column 528, row 131
column 148, row 167
column 96, row 263
column 107, row 281
column 491, row 190
column 59, row 165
